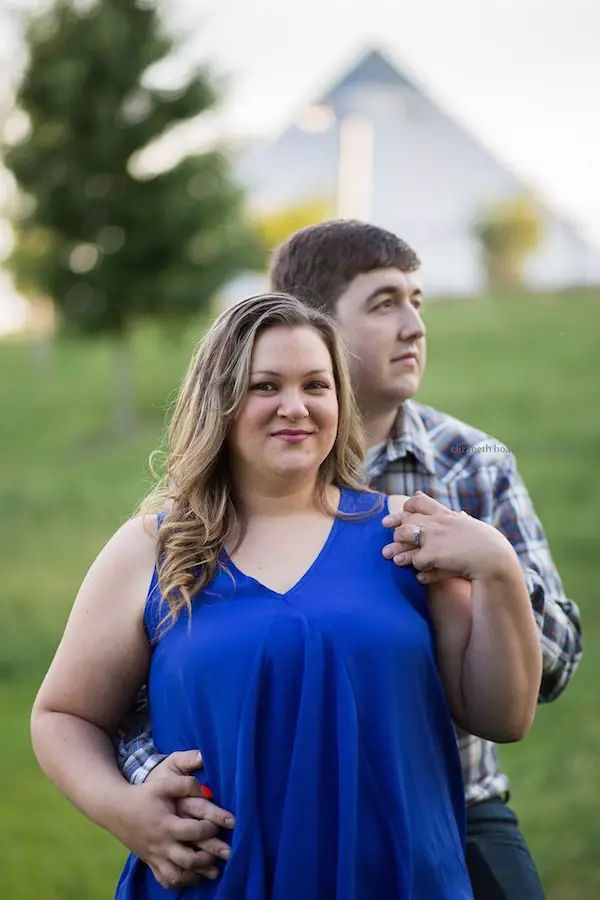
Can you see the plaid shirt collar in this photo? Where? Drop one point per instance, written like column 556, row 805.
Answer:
column 409, row 435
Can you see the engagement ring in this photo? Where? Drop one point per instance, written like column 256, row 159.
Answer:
column 417, row 532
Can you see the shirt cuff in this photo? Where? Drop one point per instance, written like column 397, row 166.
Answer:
column 139, row 774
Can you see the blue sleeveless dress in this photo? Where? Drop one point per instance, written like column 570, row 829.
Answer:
column 323, row 726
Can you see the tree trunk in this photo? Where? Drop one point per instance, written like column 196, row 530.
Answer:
column 42, row 331
column 504, row 271
column 125, row 418
column 41, row 347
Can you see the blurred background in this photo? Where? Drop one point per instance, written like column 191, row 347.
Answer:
column 152, row 156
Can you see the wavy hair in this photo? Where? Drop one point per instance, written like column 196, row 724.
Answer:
column 196, row 492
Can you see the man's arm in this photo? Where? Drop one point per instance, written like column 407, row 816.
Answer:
column 136, row 754
column 557, row 617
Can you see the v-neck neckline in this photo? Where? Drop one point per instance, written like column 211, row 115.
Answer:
column 306, row 575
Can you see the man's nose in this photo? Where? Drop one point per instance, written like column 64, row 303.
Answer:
column 411, row 325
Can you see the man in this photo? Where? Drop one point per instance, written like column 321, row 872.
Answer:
column 366, row 277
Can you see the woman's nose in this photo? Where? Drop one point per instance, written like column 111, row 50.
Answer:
column 292, row 406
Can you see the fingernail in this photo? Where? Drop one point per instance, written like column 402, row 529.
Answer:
column 400, row 558
column 206, row 791
column 422, row 578
column 225, row 852
column 230, row 822
column 212, row 874
column 386, row 521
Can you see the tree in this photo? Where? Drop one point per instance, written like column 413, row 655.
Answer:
column 276, row 225
column 509, row 232
column 109, row 246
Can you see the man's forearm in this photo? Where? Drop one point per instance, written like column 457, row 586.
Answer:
column 559, row 628
column 557, row 617
column 137, row 757
column 134, row 745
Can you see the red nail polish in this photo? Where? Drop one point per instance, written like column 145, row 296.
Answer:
column 206, row 791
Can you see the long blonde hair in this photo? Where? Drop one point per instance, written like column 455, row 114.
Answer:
column 195, row 490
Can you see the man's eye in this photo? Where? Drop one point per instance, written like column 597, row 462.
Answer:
column 385, row 304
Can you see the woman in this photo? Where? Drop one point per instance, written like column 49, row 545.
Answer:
column 277, row 638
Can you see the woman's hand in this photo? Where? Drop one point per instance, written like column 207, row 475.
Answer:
column 440, row 543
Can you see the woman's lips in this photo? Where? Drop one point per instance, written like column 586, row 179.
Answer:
column 292, row 437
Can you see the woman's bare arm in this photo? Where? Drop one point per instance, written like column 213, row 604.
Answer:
column 101, row 661
column 487, row 643
column 100, row 664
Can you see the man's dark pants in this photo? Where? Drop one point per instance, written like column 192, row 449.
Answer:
column 499, row 862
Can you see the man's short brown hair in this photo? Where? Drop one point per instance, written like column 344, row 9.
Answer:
column 316, row 264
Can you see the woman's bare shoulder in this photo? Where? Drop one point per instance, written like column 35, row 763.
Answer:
column 396, row 502
column 133, row 544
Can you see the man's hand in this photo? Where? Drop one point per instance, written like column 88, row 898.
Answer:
column 450, row 544
column 169, row 824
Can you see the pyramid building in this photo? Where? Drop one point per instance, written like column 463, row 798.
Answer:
column 376, row 147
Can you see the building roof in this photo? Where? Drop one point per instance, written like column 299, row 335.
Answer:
column 373, row 69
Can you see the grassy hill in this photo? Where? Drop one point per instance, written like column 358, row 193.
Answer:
column 525, row 370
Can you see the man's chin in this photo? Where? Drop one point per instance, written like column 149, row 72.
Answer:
column 404, row 389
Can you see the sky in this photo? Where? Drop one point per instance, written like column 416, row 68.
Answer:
column 521, row 75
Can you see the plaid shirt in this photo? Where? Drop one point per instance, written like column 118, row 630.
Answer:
column 462, row 468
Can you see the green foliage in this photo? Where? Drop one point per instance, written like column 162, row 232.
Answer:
column 107, row 245
column 509, row 231
column 65, row 488
column 276, row 225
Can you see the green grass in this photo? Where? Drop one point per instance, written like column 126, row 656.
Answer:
column 523, row 369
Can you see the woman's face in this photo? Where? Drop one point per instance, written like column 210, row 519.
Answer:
column 288, row 421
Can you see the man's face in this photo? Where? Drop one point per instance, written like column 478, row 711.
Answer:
column 379, row 315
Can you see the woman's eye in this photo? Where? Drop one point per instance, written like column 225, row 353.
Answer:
column 269, row 387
